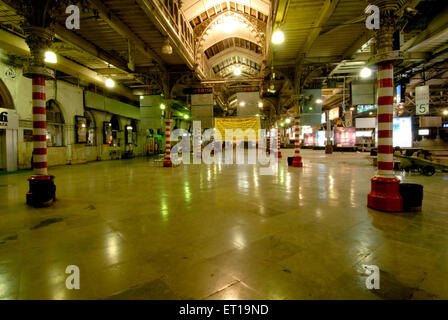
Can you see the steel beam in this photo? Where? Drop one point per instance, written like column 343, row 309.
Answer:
column 115, row 23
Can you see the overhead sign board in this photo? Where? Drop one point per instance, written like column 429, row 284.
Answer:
column 422, row 100
column 334, row 113
column 364, row 108
column 8, row 119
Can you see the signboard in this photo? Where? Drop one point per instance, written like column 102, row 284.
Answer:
column 363, row 92
column 365, row 123
column 345, row 137
column 323, row 118
column 402, row 133
column 422, row 100
column 9, row 119
column 198, row 90
column 430, row 122
column 348, row 119
column 364, row 108
column 309, row 139
column 334, row 113
column 241, row 124
column 320, row 141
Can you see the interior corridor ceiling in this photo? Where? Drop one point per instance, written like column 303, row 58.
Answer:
column 325, row 42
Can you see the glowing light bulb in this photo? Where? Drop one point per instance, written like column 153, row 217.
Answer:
column 237, row 71
column 278, row 37
column 110, row 83
column 366, row 72
column 50, row 57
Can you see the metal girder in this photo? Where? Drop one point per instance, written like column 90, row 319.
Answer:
column 325, row 13
column 115, row 23
column 71, row 37
column 157, row 17
column 17, row 46
column 436, row 28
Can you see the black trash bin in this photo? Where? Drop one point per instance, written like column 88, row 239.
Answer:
column 412, row 194
column 42, row 191
column 290, row 159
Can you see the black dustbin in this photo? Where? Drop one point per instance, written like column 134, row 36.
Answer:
column 412, row 194
column 42, row 190
column 290, row 159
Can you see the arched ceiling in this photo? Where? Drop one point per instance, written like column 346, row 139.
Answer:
column 204, row 8
column 229, row 31
column 233, row 43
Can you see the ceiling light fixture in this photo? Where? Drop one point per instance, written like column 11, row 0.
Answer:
column 167, row 48
column 162, row 106
column 237, row 71
column 260, row 104
column 110, row 83
column 242, row 104
column 366, row 72
column 50, row 57
column 278, row 37
column 229, row 24
column 319, row 101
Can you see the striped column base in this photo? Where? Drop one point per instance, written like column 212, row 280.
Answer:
column 279, row 154
column 297, row 161
column 385, row 195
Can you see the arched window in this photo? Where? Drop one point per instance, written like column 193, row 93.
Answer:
column 5, row 97
column 55, row 124
column 91, row 128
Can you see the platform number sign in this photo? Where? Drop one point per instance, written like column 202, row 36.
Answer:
column 422, row 100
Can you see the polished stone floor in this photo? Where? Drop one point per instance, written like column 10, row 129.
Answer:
column 139, row 231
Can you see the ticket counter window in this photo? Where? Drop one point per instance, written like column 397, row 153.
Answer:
column 55, row 125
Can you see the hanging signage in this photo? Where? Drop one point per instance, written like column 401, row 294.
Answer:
column 422, row 100
column 348, row 119
column 345, row 137
column 402, row 132
column 364, row 108
column 323, row 118
column 334, row 113
column 198, row 90
column 8, row 119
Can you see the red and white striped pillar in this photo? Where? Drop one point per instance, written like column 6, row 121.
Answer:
column 297, row 159
column 167, row 160
column 385, row 193
column 279, row 153
column 39, row 127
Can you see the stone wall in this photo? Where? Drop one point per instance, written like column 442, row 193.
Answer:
column 70, row 99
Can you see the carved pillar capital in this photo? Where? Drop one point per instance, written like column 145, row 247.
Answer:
column 38, row 40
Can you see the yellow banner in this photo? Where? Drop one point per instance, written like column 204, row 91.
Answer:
column 239, row 126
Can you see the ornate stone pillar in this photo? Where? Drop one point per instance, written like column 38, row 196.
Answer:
column 39, row 40
column 42, row 188
column 385, row 195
